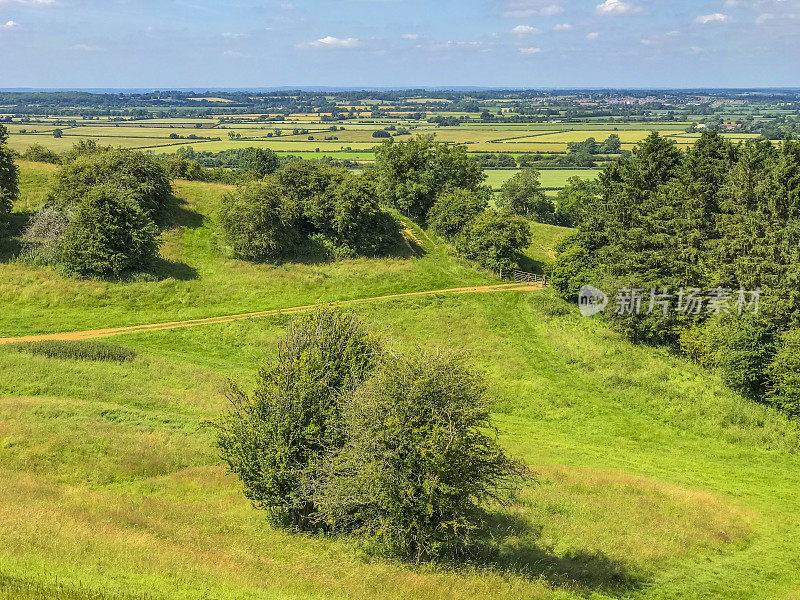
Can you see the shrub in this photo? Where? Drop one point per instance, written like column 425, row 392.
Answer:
column 39, row 153
column 495, row 240
column 454, row 209
column 573, row 269
column 523, row 195
column 747, row 347
column 83, row 148
column 783, row 388
column 257, row 223
column 381, row 134
column 180, row 167
column 43, row 234
column 77, row 350
column 142, row 175
column 276, row 438
column 109, row 235
column 420, row 458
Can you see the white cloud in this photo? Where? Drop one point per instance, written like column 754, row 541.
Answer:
column 233, row 54
column 10, row 25
column 29, row 2
column 592, row 36
column 765, row 18
column 410, row 36
column 616, row 7
column 86, row 48
column 673, row 34
column 524, row 30
column 529, row 50
column 712, row 18
column 231, row 35
column 532, row 8
column 562, row 27
column 551, row 10
column 334, row 42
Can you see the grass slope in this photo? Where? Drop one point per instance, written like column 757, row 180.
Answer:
column 195, row 280
column 654, row 480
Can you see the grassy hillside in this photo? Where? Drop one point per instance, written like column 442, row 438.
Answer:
column 653, row 479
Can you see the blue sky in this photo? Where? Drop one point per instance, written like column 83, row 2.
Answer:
column 520, row 43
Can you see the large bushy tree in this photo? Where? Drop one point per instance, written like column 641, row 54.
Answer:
column 454, row 209
column 412, row 174
column 257, row 222
column 109, row 235
column 523, row 195
column 143, row 176
column 495, row 240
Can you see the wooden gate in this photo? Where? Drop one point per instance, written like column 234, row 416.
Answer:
column 530, row 278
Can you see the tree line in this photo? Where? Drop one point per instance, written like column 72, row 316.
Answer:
column 688, row 239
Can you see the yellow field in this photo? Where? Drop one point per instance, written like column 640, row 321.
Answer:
column 273, row 143
column 20, row 143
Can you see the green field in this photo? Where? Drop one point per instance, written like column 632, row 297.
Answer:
column 550, row 178
column 357, row 136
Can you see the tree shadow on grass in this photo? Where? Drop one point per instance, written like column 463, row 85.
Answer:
column 314, row 250
column 178, row 215
column 526, row 263
column 508, row 544
column 170, row 269
column 11, row 228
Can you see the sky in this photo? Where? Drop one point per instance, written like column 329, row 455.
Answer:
column 203, row 44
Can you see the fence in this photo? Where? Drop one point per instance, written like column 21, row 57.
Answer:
column 531, row 278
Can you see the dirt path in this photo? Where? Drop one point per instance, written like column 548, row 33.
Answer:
column 98, row 333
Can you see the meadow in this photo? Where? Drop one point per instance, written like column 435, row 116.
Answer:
column 653, row 479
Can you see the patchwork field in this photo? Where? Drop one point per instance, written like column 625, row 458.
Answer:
column 357, row 136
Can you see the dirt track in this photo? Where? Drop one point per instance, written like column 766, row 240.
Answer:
column 97, row 333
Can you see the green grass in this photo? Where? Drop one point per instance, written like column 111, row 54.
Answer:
column 655, row 481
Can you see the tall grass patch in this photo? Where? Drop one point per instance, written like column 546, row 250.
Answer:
column 77, row 350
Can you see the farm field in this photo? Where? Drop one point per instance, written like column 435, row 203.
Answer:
column 550, row 178
column 476, row 137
